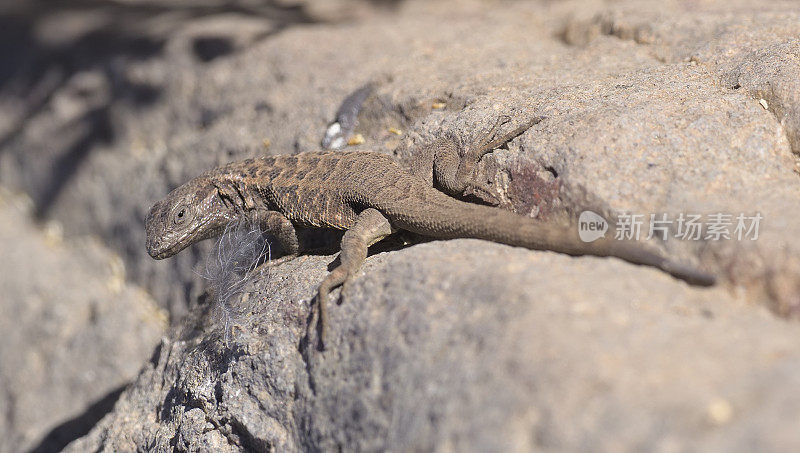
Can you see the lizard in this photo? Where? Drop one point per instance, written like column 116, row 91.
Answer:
column 370, row 196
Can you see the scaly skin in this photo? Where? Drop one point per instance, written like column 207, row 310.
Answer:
column 370, row 196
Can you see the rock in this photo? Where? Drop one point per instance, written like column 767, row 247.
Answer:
column 662, row 108
column 74, row 333
column 466, row 345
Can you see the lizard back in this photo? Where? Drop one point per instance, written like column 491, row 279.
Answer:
column 321, row 189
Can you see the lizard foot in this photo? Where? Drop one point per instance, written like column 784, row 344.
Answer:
column 483, row 193
column 334, row 279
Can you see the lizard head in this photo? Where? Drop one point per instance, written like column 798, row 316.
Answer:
column 190, row 213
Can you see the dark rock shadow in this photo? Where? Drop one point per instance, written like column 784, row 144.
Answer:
column 207, row 48
column 60, row 436
column 36, row 69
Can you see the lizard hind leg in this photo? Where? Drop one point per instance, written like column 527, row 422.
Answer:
column 484, row 143
column 370, row 227
column 467, row 173
column 491, row 141
column 466, row 180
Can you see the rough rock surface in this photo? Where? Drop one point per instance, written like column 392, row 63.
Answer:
column 460, row 346
column 651, row 107
column 74, row 332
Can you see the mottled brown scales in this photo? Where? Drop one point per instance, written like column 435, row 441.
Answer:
column 370, row 196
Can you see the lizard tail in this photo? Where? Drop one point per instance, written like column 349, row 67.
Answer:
column 452, row 219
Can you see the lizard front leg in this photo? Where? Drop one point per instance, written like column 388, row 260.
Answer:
column 281, row 228
column 370, row 227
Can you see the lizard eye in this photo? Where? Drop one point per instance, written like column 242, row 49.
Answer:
column 181, row 215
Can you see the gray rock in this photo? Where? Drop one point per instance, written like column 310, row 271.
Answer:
column 465, row 345
column 74, row 333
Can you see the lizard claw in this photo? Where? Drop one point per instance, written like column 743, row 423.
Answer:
column 481, row 194
column 503, row 120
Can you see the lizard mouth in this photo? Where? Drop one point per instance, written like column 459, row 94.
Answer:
column 156, row 249
column 157, row 246
column 159, row 249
